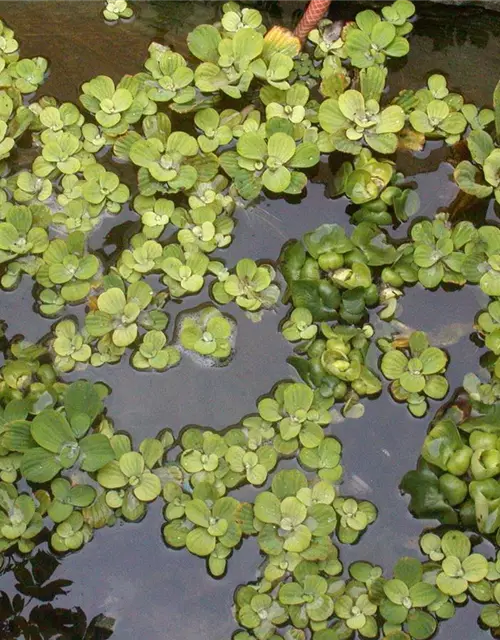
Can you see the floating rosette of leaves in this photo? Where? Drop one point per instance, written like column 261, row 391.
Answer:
column 275, row 68
column 459, row 566
column 116, row 107
column 226, row 62
column 351, row 121
column 165, row 166
column 57, row 117
column 299, row 414
column 203, row 457
column 119, row 311
column 271, row 163
column 170, row 78
column 417, row 375
column 251, row 286
column 277, row 568
column 61, row 154
column 155, row 214
column 78, row 215
column 208, row 333
column 480, row 177
column 66, row 497
column 252, row 466
column 253, row 433
column 140, row 259
column 488, row 325
column 437, row 119
column 103, row 188
column 333, row 263
column 235, row 18
column 213, row 192
column 294, row 106
column 456, row 479
column 9, row 46
column 56, row 440
column 25, row 75
column 490, row 613
column 300, row 326
column 20, row 520
column 205, row 227
column 259, row 612
column 70, row 347
column 23, row 377
column 364, row 179
column 68, row 268
column 287, row 520
column 307, row 601
column 327, row 37
column 353, row 518
column 23, row 237
column 372, row 39
column 29, row 188
column 406, row 596
column 116, row 9
column 376, row 186
column 216, row 128
column 184, row 272
column 439, row 250
column 206, row 524
column 129, row 478
column 482, row 393
column 324, row 459
column 355, row 610
column 71, row 534
column 335, row 364
column 154, row 353
column 482, row 261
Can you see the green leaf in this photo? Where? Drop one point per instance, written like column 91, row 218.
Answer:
column 427, row 499
column 267, row 508
column 200, row 542
column 496, row 106
column 39, row 465
column 51, row 431
column 394, row 363
column 96, row 451
column 421, row 625
column 203, row 42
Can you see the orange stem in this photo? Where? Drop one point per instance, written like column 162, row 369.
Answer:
column 314, row 12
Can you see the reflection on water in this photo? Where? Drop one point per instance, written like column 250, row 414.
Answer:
column 127, row 572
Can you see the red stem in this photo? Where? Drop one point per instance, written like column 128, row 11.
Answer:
column 314, row 12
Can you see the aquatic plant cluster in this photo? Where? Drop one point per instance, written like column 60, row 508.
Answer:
column 80, row 475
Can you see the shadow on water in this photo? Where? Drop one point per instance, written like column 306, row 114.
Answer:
column 127, row 572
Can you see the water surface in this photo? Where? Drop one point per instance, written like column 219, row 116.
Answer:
column 127, row 572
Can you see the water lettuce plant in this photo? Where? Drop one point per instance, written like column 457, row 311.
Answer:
column 479, row 178
column 352, row 120
column 118, row 312
column 417, row 375
column 116, row 9
column 208, row 333
column 251, row 286
column 154, row 353
column 269, row 161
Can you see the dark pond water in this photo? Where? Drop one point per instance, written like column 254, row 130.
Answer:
column 127, row 572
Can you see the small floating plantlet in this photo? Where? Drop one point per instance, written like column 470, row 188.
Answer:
column 208, row 333
column 116, row 9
